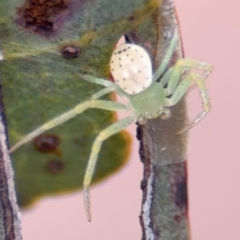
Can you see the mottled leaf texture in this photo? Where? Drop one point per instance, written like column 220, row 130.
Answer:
column 45, row 44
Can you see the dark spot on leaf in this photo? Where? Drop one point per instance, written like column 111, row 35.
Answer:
column 39, row 16
column 131, row 18
column 46, row 143
column 69, row 52
column 55, row 166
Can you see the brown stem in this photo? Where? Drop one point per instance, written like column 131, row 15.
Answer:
column 10, row 228
column 164, row 214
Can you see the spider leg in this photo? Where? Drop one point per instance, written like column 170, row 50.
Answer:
column 105, row 83
column 102, row 92
column 106, row 133
column 166, row 77
column 182, row 88
column 167, row 57
column 100, row 81
column 100, row 104
column 173, row 75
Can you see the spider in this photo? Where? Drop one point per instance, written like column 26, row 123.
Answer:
column 131, row 69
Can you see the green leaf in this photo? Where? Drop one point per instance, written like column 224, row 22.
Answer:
column 45, row 44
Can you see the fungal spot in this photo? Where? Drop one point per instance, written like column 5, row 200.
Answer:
column 70, row 52
column 47, row 143
column 120, row 65
column 40, row 16
column 131, row 18
column 119, row 58
column 141, row 56
column 127, row 55
column 112, row 69
column 132, row 60
column 55, row 166
column 119, row 52
column 124, row 79
column 139, row 71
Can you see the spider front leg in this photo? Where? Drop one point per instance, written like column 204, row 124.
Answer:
column 182, row 88
column 108, row 84
column 106, row 133
column 167, row 58
column 100, row 81
column 174, row 74
column 100, row 104
column 102, row 92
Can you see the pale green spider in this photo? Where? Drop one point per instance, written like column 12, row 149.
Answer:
column 132, row 70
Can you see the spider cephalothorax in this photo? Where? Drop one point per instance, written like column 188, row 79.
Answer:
column 131, row 68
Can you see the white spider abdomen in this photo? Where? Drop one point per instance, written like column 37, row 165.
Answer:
column 131, row 68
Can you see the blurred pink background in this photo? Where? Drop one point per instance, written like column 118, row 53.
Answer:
column 211, row 33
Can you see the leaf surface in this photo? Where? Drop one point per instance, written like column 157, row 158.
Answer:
column 45, row 44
